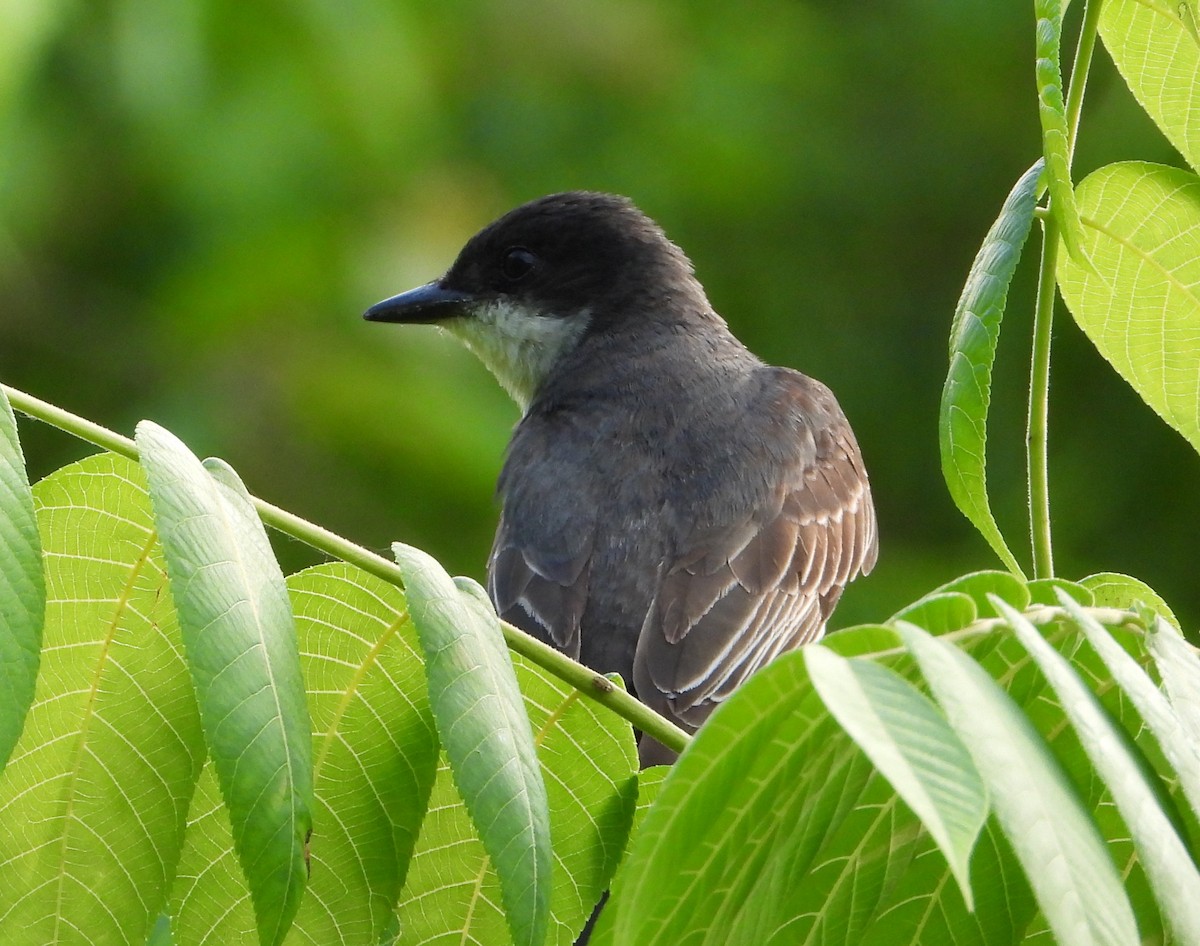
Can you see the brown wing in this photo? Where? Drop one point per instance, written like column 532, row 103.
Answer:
column 738, row 593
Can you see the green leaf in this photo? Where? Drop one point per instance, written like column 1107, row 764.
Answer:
column 486, row 734
column 1053, row 836
column 93, row 801
column 726, row 855
column 376, row 748
column 589, row 765
column 1142, row 230
column 210, row 901
column 1154, row 708
column 22, row 586
column 730, row 805
column 1179, row 666
column 1169, row 866
column 962, row 423
column 160, row 935
column 1113, row 590
column 649, row 784
column 901, row 731
column 1052, row 111
column 1156, row 50
column 940, row 613
column 1045, row 711
column 1046, row 591
column 376, row 757
column 980, row 586
column 241, row 648
column 774, row 828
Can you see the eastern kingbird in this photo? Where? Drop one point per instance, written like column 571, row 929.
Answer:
column 674, row 509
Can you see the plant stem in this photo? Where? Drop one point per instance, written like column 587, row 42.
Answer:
column 1036, row 614
column 1037, row 433
column 1039, row 404
column 593, row 685
column 1088, row 31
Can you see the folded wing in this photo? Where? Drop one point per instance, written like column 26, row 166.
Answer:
column 736, row 593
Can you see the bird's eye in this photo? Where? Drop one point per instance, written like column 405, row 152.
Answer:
column 518, row 263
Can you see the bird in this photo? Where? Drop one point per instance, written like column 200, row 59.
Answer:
column 673, row 509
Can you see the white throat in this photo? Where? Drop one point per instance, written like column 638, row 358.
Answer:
column 517, row 344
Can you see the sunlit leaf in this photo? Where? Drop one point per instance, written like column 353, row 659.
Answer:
column 709, row 865
column 1113, row 590
column 1179, row 665
column 980, row 586
column 22, row 586
column 241, row 647
column 375, row 743
column 210, row 902
column 774, row 828
column 649, row 784
column 486, row 735
column 962, row 424
column 909, row 741
column 1176, row 743
column 93, row 801
column 1046, row 591
column 863, row 639
column 1142, row 230
column 589, row 765
column 767, row 779
column 376, row 755
column 1052, row 833
column 1155, row 47
column 940, row 612
column 1162, row 853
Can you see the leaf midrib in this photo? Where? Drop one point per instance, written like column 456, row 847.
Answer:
column 74, row 769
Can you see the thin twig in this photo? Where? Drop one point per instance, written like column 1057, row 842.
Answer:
column 593, row 685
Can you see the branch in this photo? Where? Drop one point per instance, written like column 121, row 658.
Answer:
column 593, row 685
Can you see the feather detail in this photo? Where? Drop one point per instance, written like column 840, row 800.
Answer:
column 737, row 595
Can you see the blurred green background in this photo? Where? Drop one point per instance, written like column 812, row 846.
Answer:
column 198, row 199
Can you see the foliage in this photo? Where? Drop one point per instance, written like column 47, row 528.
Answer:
column 1004, row 760
column 974, row 336
column 198, row 201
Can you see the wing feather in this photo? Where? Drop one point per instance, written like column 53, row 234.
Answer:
column 545, row 594
column 738, row 593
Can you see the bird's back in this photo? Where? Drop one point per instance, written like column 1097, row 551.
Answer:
column 683, row 522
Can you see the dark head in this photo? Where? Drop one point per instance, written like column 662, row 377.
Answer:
column 530, row 286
